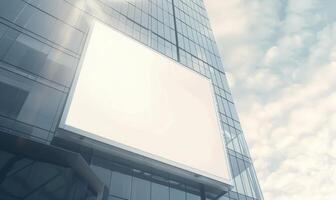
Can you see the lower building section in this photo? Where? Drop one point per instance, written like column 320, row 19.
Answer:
column 34, row 171
column 68, row 171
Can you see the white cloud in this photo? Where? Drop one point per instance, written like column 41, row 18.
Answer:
column 271, row 55
column 301, row 6
column 230, row 27
column 283, row 63
column 297, row 131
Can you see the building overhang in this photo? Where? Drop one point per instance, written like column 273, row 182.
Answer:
column 53, row 155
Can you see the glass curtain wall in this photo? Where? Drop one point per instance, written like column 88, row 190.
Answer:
column 41, row 42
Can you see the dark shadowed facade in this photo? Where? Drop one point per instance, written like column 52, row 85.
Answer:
column 42, row 43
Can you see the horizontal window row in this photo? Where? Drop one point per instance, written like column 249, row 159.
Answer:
column 12, row 126
column 229, row 121
column 42, row 24
column 194, row 32
column 194, row 63
column 138, row 11
column 163, row 30
column 164, row 16
column 36, row 57
column 227, row 108
column 163, row 46
column 223, row 93
column 196, row 11
column 198, row 51
column 63, row 11
column 219, row 79
column 150, row 32
column 30, row 102
column 244, row 177
column 236, row 142
column 161, row 22
column 236, row 196
column 164, row 4
column 190, row 22
column 130, row 184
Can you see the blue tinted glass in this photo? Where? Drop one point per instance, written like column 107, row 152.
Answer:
column 40, row 59
column 7, row 40
column 9, row 9
column 140, row 189
column 159, row 192
column 114, row 198
column 177, row 194
column 38, row 108
column 120, row 185
column 193, row 197
column 12, row 100
column 28, row 53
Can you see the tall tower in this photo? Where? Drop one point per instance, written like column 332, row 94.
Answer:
column 117, row 100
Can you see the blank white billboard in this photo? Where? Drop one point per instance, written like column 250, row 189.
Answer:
column 131, row 97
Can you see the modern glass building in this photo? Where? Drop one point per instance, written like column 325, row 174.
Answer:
column 55, row 142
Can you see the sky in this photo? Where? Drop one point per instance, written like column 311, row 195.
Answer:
column 280, row 59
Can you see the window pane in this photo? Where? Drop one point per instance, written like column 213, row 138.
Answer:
column 7, row 40
column 236, row 175
column 177, row 194
column 9, row 9
column 99, row 167
column 159, row 192
column 140, row 189
column 12, row 101
column 120, row 185
column 35, row 104
column 40, row 59
column 193, row 197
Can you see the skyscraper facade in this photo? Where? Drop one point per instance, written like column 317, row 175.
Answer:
column 42, row 45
